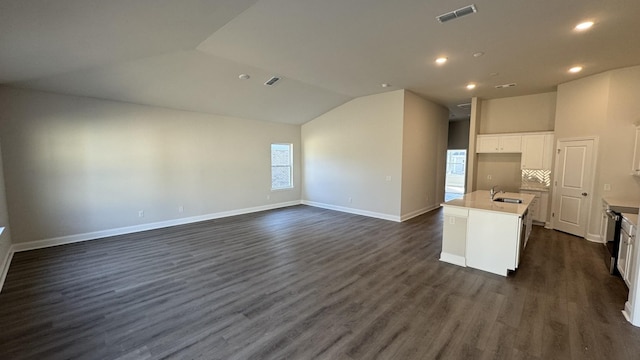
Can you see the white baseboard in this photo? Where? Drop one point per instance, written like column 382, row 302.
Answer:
column 548, row 225
column 352, row 211
column 4, row 265
column 453, row 259
column 38, row 244
column 418, row 212
column 594, row 238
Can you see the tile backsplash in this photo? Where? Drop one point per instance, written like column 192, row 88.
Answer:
column 536, row 178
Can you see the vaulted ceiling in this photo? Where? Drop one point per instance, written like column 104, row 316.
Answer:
column 188, row 54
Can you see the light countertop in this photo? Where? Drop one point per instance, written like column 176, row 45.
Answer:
column 481, row 200
column 632, row 218
column 622, row 204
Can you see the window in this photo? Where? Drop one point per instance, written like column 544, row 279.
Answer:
column 281, row 166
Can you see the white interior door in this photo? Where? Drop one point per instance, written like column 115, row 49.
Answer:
column 574, row 169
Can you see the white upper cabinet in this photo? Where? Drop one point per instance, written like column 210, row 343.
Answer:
column 537, row 151
column 499, row 144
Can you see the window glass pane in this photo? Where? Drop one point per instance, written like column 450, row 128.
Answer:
column 280, row 177
column 281, row 166
column 280, row 154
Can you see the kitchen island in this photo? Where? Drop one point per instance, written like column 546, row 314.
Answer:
column 485, row 234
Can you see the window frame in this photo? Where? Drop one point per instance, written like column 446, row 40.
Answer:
column 290, row 166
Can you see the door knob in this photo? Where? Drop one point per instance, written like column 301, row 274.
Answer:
column 584, row 194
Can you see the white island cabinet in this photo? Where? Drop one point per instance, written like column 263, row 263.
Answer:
column 484, row 234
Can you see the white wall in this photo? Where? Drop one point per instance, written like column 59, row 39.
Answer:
column 5, row 237
column 424, row 148
column 518, row 114
column 604, row 105
column 77, row 165
column 504, row 170
column 349, row 152
column 458, row 135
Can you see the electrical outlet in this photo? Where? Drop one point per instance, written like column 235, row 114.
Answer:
column 388, row 178
column 268, row 197
column 180, row 208
column 607, row 187
column 452, row 220
column 349, row 200
column 488, row 177
column 141, row 213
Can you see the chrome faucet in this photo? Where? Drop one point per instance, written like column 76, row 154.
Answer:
column 493, row 191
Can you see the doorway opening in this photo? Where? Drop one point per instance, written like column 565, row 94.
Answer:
column 455, row 176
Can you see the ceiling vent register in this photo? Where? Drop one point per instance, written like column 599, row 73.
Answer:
column 457, row 13
column 503, row 86
column 272, row 81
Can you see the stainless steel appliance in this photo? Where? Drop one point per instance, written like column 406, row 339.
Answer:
column 612, row 238
column 612, row 208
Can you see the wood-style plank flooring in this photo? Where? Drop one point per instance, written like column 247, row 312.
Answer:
column 308, row 283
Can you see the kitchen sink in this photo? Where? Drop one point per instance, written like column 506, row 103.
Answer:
column 508, row 200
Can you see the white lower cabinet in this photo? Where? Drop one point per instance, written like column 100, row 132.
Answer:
column 494, row 241
column 625, row 251
column 538, row 207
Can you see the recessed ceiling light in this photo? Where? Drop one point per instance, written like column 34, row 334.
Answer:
column 244, row 76
column 471, row 86
column 575, row 69
column 494, row 74
column 441, row 60
column 478, row 54
column 584, row 26
column 385, row 85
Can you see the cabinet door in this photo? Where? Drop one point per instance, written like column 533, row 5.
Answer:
column 511, row 143
column 532, row 151
column 488, row 144
column 547, row 157
column 622, row 254
column 535, row 209
column 630, row 262
column 534, row 206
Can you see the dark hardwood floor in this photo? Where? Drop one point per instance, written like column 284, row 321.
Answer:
column 305, row 283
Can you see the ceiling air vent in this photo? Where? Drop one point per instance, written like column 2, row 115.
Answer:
column 457, row 13
column 503, row 86
column 272, row 81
